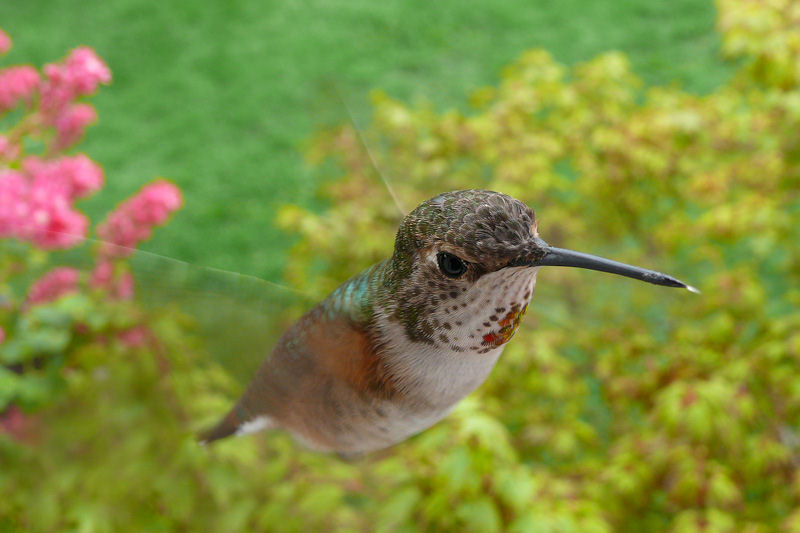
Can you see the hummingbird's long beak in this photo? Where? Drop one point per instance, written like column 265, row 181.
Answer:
column 569, row 258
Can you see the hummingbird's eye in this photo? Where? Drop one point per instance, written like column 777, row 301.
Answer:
column 450, row 265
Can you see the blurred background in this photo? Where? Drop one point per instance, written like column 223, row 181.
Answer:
column 221, row 98
column 658, row 133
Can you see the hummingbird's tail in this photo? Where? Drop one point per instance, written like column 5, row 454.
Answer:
column 234, row 424
column 225, row 428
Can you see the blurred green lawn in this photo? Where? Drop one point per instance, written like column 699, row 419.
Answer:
column 220, row 96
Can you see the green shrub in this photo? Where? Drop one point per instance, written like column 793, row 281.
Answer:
column 619, row 407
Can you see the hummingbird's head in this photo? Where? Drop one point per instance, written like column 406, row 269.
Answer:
column 463, row 235
column 464, row 267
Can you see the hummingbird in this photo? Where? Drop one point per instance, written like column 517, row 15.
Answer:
column 392, row 350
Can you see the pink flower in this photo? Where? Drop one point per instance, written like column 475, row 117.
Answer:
column 2, row 331
column 84, row 175
column 53, row 285
column 8, row 150
column 13, row 202
column 86, row 70
column 51, row 220
column 117, row 286
column 60, row 227
column 56, row 90
column 77, row 176
column 71, row 123
column 157, row 201
column 37, row 208
column 14, row 422
column 102, row 274
column 124, row 288
column 5, row 42
column 133, row 220
column 134, row 337
column 79, row 74
column 17, row 84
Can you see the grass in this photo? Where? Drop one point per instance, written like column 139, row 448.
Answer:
column 219, row 96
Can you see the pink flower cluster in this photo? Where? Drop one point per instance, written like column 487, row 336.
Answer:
column 71, row 123
column 72, row 177
column 64, row 280
column 133, row 220
column 38, row 193
column 128, row 225
column 78, row 75
column 135, row 337
column 54, row 284
column 17, row 84
column 13, row 422
column 117, row 286
column 36, row 201
column 5, row 42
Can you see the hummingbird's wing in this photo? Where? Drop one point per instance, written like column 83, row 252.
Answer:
column 237, row 317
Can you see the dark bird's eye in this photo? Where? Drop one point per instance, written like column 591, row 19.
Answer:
column 450, row 265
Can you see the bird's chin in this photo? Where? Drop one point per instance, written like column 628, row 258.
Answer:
column 495, row 307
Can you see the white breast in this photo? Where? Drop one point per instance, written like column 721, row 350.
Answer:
column 437, row 375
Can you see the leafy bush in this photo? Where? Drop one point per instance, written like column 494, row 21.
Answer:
column 617, row 407
column 45, row 321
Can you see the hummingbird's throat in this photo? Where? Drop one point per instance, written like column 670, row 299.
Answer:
column 498, row 306
column 507, row 326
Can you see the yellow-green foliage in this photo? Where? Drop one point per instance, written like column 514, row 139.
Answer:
column 617, row 407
